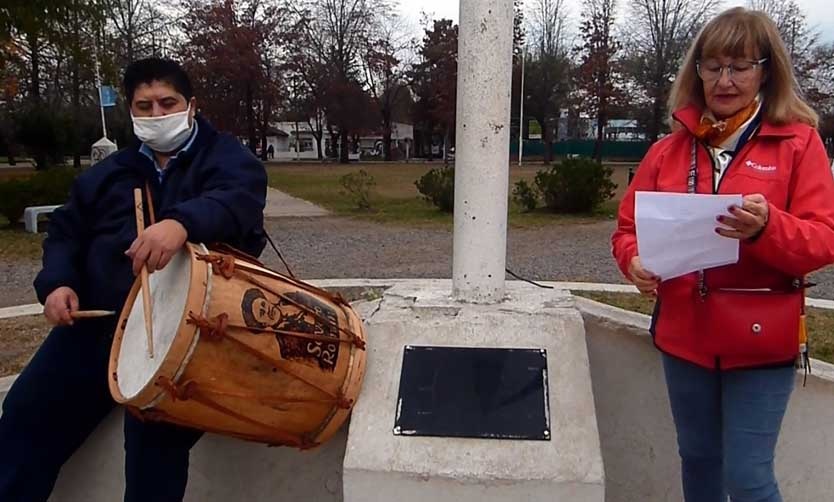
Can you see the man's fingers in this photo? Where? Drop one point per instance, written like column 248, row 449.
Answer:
column 166, row 258
column 50, row 313
column 73, row 303
column 134, row 246
column 140, row 257
column 153, row 260
column 65, row 316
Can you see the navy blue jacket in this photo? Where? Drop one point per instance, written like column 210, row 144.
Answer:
column 216, row 190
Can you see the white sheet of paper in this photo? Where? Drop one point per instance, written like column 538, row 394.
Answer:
column 676, row 232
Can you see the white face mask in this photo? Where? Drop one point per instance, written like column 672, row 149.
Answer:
column 163, row 134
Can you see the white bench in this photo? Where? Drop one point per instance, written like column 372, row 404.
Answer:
column 30, row 216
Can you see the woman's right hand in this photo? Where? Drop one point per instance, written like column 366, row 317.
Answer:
column 645, row 281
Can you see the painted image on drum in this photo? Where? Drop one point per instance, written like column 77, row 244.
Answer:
column 262, row 311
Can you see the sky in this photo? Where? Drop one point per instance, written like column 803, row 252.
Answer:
column 819, row 12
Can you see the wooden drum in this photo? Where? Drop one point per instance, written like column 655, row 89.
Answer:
column 239, row 350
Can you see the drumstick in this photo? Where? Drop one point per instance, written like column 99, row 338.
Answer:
column 146, row 291
column 91, row 314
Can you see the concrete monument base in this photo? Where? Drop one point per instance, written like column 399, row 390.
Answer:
column 380, row 466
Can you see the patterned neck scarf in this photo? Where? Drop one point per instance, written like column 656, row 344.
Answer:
column 720, row 133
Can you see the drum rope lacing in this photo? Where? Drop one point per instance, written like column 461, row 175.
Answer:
column 190, row 390
column 225, row 266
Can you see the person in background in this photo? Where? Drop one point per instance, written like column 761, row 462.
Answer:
column 740, row 127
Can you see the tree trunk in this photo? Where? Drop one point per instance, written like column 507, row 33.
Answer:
column 76, row 92
column 386, row 134
column 430, row 136
column 601, row 120
column 130, row 37
column 265, row 127
column 547, row 138
column 250, row 116
column 344, row 152
column 657, row 118
column 34, row 46
column 334, row 143
column 319, row 135
column 386, row 144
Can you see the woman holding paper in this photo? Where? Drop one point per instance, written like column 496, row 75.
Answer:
column 729, row 335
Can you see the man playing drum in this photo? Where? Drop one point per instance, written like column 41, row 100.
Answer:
column 205, row 188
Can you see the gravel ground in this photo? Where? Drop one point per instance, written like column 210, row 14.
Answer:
column 330, row 247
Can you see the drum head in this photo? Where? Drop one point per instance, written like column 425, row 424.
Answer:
column 169, row 295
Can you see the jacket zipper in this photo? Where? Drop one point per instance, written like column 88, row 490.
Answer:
column 741, row 153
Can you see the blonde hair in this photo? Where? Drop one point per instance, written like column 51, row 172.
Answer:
column 740, row 32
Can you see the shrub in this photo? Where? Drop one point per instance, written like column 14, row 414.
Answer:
column 438, row 187
column 525, row 195
column 358, row 186
column 45, row 133
column 576, row 185
column 44, row 188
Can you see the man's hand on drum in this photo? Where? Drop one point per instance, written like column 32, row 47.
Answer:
column 157, row 245
column 59, row 305
column 645, row 281
column 748, row 221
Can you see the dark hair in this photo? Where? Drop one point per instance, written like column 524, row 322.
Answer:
column 145, row 71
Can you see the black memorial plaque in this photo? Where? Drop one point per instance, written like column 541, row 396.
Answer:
column 474, row 393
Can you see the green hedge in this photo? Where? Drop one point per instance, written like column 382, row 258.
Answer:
column 575, row 186
column 44, row 188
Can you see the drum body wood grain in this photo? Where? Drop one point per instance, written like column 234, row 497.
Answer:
column 240, row 350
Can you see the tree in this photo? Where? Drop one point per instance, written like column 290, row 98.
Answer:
column 596, row 75
column 306, row 95
column 140, row 27
column 334, row 33
column 229, row 53
column 434, row 80
column 548, row 72
column 385, row 74
column 792, row 23
column 659, row 35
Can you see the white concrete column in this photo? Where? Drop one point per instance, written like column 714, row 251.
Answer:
column 482, row 149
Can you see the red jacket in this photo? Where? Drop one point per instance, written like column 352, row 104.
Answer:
column 785, row 163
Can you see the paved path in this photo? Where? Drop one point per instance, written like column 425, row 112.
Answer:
column 282, row 205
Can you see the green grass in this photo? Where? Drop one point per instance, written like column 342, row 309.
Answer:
column 16, row 244
column 395, row 198
column 820, row 321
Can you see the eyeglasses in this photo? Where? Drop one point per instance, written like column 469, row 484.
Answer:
column 740, row 71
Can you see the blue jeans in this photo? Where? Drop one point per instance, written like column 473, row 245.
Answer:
column 728, row 424
column 57, row 401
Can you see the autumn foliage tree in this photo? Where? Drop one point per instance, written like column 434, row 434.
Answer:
column 229, row 55
column 434, row 80
column 596, row 76
column 332, row 35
